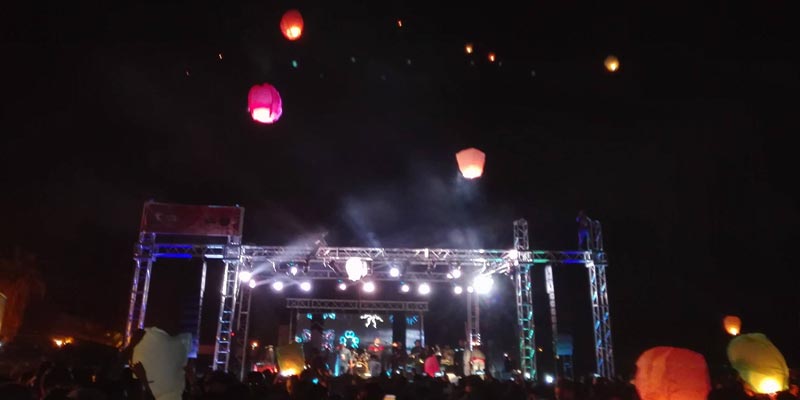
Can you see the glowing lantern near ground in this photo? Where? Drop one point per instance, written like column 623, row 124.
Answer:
column 759, row 363
column 468, row 48
column 470, row 162
column 732, row 324
column 264, row 103
column 671, row 373
column 492, row 57
column 611, row 63
column 292, row 24
column 164, row 358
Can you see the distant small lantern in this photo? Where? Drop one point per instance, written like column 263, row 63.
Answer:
column 292, row 24
column 468, row 48
column 470, row 162
column 611, row 63
column 264, row 103
column 732, row 324
column 399, row 23
column 492, row 57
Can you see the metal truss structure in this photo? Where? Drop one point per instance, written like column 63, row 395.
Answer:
column 550, row 288
column 303, row 263
column 356, row 305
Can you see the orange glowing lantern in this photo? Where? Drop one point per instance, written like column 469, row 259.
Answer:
column 671, row 373
column 470, row 162
column 399, row 23
column 292, row 24
column 492, row 57
column 468, row 48
column 264, row 103
column 612, row 63
column 732, row 324
column 760, row 364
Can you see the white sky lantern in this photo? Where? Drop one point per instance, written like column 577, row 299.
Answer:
column 356, row 268
column 470, row 162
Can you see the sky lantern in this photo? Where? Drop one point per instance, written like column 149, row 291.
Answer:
column 732, row 324
column 491, row 56
column 671, row 373
column 468, row 48
column 264, row 103
column 470, row 162
column 292, row 24
column 612, row 63
column 760, row 364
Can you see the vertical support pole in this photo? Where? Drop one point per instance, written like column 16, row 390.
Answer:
column 196, row 334
column 473, row 320
column 601, row 316
column 140, row 286
column 524, row 296
column 243, row 326
column 133, row 300
column 551, row 294
column 422, row 328
column 222, row 348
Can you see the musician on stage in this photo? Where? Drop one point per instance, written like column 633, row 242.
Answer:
column 344, row 360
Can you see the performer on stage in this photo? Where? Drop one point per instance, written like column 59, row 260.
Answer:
column 344, row 360
column 417, row 357
column 458, row 357
column 478, row 360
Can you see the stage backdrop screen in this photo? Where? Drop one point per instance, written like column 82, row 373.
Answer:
column 356, row 330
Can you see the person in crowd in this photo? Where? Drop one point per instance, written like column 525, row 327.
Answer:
column 458, row 357
column 432, row 367
column 417, row 356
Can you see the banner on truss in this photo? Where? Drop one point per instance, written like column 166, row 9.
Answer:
column 180, row 219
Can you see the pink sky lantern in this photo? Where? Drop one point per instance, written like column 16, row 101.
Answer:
column 264, row 103
column 292, row 24
column 470, row 162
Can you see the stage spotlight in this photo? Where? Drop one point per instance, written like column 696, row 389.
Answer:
column 277, row 286
column 483, row 284
column 356, row 268
column 252, row 284
column 470, row 289
column 293, row 270
column 456, row 272
column 369, row 287
column 424, row 288
column 245, row 276
column 394, row 272
column 458, row 289
column 405, row 288
column 305, row 286
column 548, row 379
column 342, row 286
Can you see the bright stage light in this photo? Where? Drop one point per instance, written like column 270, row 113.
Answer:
column 369, row 287
column 245, row 276
column 293, row 270
column 277, row 286
column 513, row 254
column 456, row 273
column 305, row 286
column 405, row 288
column 470, row 289
column 394, row 272
column 356, row 268
column 252, row 284
column 342, row 286
column 458, row 289
column 483, row 284
column 424, row 288
column 548, row 379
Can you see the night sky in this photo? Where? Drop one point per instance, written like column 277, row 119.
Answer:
column 685, row 155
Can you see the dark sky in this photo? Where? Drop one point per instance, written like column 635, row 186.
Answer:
column 686, row 154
